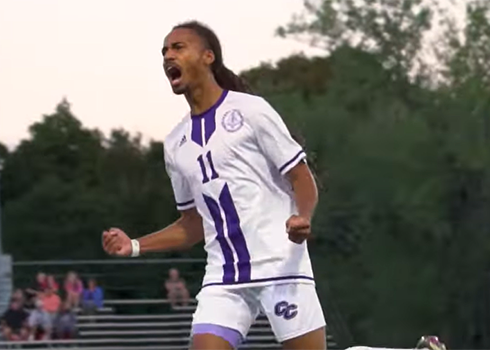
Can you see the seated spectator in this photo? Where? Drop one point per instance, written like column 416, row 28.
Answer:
column 13, row 323
column 73, row 288
column 39, row 323
column 51, row 283
column 51, row 302
column 176, row 288
column 65, row 322
column 92, row 297
column 39, row 286
column 18, row 296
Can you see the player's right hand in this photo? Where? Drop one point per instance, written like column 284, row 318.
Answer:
column 116, row 242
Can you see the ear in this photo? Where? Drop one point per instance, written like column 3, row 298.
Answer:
column 208, row 57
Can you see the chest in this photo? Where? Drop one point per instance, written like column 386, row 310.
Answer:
column 211, row 147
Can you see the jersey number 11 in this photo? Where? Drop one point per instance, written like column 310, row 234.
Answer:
column 204, row 170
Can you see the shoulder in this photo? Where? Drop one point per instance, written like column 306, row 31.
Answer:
column 248, row 103
column 173, row 139
column 250, row 108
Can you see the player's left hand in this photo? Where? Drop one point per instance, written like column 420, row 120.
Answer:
column 298, row 228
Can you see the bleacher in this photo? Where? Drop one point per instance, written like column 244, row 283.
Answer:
column 134, row 316
column 117, row 326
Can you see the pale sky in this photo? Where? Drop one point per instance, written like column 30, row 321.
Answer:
column 104, row 56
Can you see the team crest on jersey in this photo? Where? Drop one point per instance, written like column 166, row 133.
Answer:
column 232, row 120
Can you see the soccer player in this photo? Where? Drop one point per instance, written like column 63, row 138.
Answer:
column 242, row 184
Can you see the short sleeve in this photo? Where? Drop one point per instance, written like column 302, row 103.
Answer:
column 274, row 138
column 182, row 191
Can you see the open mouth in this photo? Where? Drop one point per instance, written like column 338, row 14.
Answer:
column 174, row 74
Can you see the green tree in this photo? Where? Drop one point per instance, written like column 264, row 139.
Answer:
column 392, row 30
column 67, row 183
column 59, row 146
column 4, row 152
column 466, row 53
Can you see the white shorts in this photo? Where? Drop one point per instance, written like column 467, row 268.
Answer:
column 293, row 309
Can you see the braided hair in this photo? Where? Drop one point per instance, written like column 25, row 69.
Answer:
column 225, row 78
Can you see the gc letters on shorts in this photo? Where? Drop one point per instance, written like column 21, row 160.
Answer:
column 286, row 310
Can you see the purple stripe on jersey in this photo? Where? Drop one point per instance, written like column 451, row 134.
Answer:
column 291, row 161
column 228, row 268
column 196, row 134
column 260, row 280
column 232, row 336
column 209, row 117
column 209, row 124
column 236, row 235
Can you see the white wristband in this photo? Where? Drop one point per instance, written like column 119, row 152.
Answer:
column 136, row 248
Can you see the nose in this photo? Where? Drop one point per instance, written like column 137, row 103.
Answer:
column 169, row 56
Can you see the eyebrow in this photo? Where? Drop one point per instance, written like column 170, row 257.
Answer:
column 165, row 48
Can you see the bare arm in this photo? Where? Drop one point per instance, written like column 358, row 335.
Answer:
column 306, row 198
column 305, row 190
column 182, row 234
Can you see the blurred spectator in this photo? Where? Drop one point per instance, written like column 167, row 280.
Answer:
column 65, row 322
column 13, row 322
column 39, row 286
column 92, row 297
column 176, row 288
column 73, row 288
column 41, row 282
column 40, row 322
column 51, row 283
column 51, row 302
column 18, row 296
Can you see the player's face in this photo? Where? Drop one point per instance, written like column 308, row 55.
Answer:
column 186, row 60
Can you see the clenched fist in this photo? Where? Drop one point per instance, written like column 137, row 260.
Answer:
column 116, row 242
column 298, row 229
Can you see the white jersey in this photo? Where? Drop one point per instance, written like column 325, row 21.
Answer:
column 229, row 162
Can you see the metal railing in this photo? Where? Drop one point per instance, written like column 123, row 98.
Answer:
column 116, row 261
column 129, row 279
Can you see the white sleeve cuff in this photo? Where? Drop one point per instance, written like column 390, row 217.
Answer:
column 186, row 205
column 292, row 162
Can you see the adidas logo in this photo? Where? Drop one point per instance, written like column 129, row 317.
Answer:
column 184, row 140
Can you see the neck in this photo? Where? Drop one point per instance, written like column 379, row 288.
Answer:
column 203, row 97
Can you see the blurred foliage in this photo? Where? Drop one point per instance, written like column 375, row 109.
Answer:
column 65, row 184
column 403, row 231
column 401, row 154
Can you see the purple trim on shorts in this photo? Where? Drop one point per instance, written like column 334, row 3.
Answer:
column 232, row 336
column 270, row 279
